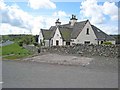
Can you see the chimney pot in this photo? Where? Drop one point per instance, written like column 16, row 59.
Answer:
column 73, row 20
column 57, row 22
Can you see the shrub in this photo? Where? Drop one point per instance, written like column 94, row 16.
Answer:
column 20, row 43
column 107, row 43
column 35, row 43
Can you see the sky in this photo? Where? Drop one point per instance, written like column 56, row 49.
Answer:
column 28, row 17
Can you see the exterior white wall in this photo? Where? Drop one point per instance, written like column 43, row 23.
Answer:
column 82, row 37
column 64, row 43
column 73, row 22
column 57, row 36
column 40, row 38
column 47, row 43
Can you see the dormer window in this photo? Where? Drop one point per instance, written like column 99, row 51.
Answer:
column 98, row 30
column 87, row 31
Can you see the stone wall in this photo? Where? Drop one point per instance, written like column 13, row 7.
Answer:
column 31, row 48
column 85, row 50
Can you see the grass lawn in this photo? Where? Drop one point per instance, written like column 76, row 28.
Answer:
column 14, row 51
column 0, row 51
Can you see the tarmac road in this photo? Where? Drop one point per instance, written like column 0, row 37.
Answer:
column 25, row 74
column 0, row 73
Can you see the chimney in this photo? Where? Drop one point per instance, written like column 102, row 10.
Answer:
column 73, row 20
column 57, row 22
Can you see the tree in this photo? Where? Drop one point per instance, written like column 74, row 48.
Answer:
column 26, row 39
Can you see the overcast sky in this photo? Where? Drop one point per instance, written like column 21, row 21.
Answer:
column 30, row 16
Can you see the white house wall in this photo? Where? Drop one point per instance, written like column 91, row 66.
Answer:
column 57, row 36
column 40, row 37
column 47, row 43
column 64, row 43
column 82, row 37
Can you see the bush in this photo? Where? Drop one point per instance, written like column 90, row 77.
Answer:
column 107, row 43
column 35, row 43
column 20, row 43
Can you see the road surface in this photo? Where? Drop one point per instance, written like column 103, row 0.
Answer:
column 25, row 74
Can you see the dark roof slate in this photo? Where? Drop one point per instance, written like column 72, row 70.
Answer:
column 46, row 34
column 100, row 34
column 66, row 33
column 69, row 32
column 52, row 29
column 77, row 28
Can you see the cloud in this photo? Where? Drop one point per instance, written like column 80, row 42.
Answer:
column 91, row 9
column 2, row 5
column 60, row 14
column 15, row 19
column 110, row 9
column 42, row 22
column 6, row 28
column 104, row 16
column 37, row 4
column 108, row 28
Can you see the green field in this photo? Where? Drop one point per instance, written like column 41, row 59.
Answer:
column 14, row 51
column 0, row 51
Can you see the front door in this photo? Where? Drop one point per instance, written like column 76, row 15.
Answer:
column 101, row 42
column 57, row 42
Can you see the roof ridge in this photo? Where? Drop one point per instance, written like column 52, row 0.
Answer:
column 69, row 23
column 44, row 29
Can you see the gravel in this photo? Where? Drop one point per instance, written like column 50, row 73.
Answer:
column 61, row 59
column 96, row 63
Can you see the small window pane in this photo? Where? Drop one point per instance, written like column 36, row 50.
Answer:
column 87, row 42
column 87, row 31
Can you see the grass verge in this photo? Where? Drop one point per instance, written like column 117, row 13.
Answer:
column 14, row 51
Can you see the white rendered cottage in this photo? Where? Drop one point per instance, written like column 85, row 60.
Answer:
column 73, row 33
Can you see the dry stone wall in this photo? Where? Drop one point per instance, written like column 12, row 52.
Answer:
column 85, row 50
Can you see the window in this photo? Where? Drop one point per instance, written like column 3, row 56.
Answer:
column 57, row 42
column 57, row 34
column 98, row 30
column 67, row 43
column 87, row 42
column 101, row 42
column 52, row 42
column 87, row 31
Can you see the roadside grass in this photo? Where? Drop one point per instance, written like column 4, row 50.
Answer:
column 13, row 57
column 0, row 51
column 14, row 51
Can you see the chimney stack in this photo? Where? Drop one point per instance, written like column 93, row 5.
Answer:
column 73, row 20
column 57, row 22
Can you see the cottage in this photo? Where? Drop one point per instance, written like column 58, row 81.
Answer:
column 73, row 33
